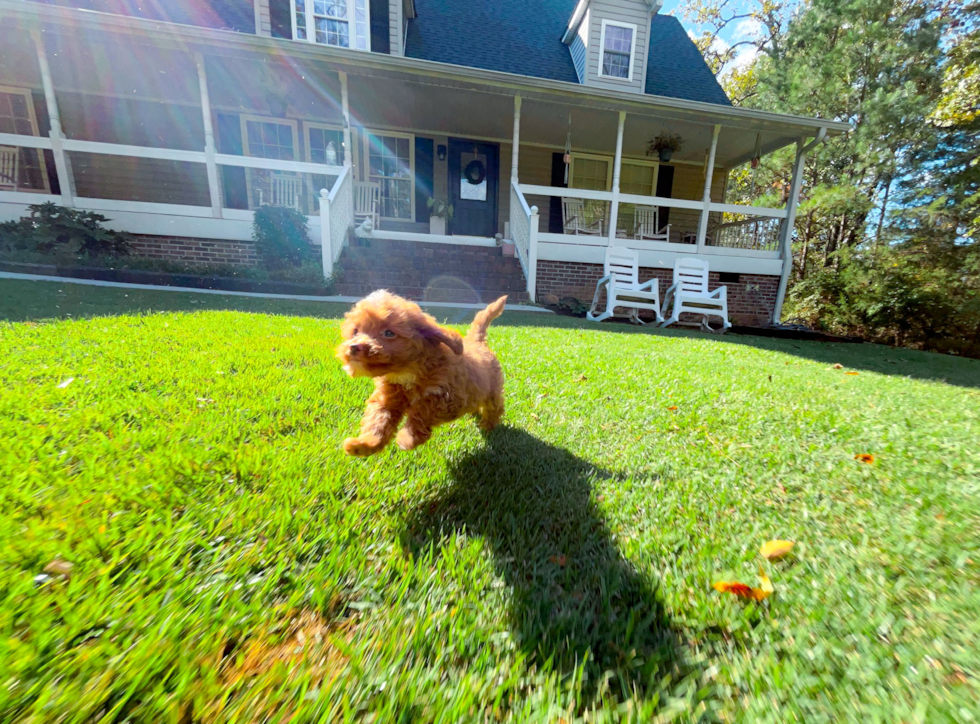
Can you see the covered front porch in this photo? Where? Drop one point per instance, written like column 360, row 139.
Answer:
column 182, row 132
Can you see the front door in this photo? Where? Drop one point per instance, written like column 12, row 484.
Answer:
column 473, row 173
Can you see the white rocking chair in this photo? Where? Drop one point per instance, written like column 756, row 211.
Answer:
column 689, row 293
column 285, row 189
column 574, row 219
column 367, row 203
column 648, row 224
column 9, row 171
column 623, row 289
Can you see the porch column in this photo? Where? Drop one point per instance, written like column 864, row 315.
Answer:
column 61, row 161
column 345, row 109
column 617, row 167
column 709, row 173
column 517, row 139
column 786, row 229
column 214, row 188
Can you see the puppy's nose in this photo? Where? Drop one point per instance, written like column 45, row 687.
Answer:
column 357, row 348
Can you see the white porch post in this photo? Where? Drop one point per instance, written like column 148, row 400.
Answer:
column 517, row 139
column 214, row 189
column 61, row 161
column 617, row 167
column 326, row 249
column 532, row 253
column 786, row 229
column 345, row 109
column 709, row 172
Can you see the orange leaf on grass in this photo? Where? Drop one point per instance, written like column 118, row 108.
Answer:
column 852, row 373
column 672, row 408
column 865, row 458
column 776, row 549
column 743, row 590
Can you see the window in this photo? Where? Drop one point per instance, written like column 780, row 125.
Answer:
column 617, row 46
column 17, row 116
column 391, row 164
column 590, row 172
column 269, row 138
column 595, row 172
column 277, row 139
column 318, row 139
column 342, row 23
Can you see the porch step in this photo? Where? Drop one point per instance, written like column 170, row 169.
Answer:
column 430, row 271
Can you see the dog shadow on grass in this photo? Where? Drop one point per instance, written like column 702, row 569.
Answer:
column 573, row 593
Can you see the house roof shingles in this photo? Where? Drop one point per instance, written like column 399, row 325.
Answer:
column 517, row 36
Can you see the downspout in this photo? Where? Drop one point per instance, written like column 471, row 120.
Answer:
column 790, row 222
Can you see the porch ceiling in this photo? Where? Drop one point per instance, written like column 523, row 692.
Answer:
column 456, row 109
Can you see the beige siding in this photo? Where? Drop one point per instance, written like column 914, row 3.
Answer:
column 263, row 21
column 395, row 27
column 635, row 12
column 689, row 184
column 138, row 123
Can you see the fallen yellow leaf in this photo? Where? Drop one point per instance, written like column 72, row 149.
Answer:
column 775, row 549
column 852, row 373
column 865, row 458
column 765, row 584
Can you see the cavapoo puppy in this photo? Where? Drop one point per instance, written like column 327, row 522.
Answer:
column 422, row 372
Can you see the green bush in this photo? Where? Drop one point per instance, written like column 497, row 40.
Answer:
column 896, row 296
column 281, row 237
column 53, row 229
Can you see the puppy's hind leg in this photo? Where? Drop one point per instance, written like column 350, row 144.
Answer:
column 417, row 431
column 491, row 412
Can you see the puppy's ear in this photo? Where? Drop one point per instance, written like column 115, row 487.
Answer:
column 435, row 334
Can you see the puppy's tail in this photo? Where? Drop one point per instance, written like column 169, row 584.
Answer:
column 478, row 330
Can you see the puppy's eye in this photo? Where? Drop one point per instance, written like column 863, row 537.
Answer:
column 354, row 333
column 389, row 333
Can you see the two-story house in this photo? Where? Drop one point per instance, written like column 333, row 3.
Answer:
column 531, row 119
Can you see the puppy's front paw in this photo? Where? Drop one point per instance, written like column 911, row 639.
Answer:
column 361, row 446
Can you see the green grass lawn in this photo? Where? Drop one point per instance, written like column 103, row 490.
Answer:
column 230, row 564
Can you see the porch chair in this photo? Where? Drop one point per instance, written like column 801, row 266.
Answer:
column 689, row 293
column 283, row 191
column 620, row 277
column 574, row 218
column 648, row 224
column 367, row 203
column 9, row 168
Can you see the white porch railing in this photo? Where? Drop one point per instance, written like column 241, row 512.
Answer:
column 756, row 234
column 336, row 217
column 524, row 221
column 206, row 219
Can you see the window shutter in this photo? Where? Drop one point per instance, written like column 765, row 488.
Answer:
column 555, row 224
column 665, row 184
column 229, row 140
column 423, row 178
column 281, row 19
column 380, row 36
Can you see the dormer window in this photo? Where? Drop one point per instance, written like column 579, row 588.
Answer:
column 343, row 23
column 618, row 46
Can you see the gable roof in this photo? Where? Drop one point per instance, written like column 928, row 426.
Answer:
column 513, row 36
column 675, row 67
column 524, row 37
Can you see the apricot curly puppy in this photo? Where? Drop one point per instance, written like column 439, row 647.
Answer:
column 422, row 372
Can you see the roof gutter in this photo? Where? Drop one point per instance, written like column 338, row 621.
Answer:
column 209, row 41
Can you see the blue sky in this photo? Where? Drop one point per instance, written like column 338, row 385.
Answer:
column 741, row 30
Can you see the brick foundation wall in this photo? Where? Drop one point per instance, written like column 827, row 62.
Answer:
column 200, row 251
column 751, row 300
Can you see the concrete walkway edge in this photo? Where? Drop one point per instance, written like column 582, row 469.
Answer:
column 258, row 295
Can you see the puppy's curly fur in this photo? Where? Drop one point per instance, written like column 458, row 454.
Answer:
column 422, row 372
